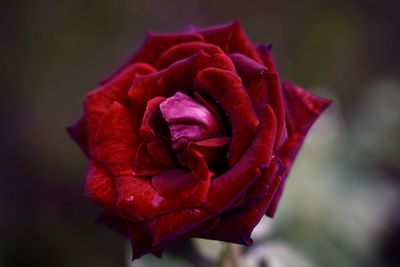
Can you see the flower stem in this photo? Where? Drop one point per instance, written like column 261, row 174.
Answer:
column 230, row 257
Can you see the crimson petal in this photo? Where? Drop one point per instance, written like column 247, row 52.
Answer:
column 236, row 226
column 226, row 88
column 231, row 38
column 177, row 77
column 99, row 186
column 230, row 186
column 98, row 101
column 116, row 140
column 185, row 50
column 302, row 110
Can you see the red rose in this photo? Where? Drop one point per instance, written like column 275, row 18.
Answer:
column 193, row 137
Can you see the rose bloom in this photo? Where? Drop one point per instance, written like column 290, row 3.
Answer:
column 193, row 137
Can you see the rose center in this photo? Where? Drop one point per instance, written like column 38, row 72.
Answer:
column 188, row 121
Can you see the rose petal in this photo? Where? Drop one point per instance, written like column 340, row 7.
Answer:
column 226, row 88
column 78, row 132
column 145, row 164
column 177, row 77
column 231, row 38
column 185, row 50
column 153, row 46
column 263, row 87
column 151, row 114
column 264, row 51
column 179, row 184
column 98, row 101
column 231, row 185
column 99, row 186
column 141, row 242
column 302, row 109
column 161, row 153
column 137, row 199
column 236, row 226
column 214, row 151
column 116, row 140
column 170, row 226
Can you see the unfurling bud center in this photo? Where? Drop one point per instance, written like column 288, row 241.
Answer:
column 188, row 121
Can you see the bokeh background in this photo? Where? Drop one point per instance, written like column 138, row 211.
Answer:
column 342, row 203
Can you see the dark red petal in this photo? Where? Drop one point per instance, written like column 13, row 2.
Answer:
column 152, row 109
column 98, row 101
column 214, row 151
column 116, row 140
column 253, row 78
column 141, row 242
column 185, row 50
column 226, row 88
column 139, row 200
column 264, row 51
column 231, row 38
column 145, row 164
column 161, row 153
column 78, row 132
column 302, row 110
column 172, row 225
column 154, row 45
column 177, row 77
column 179, row 184
column 99, row 186
column 263, row 87
column 236, row 226
column 231, row 185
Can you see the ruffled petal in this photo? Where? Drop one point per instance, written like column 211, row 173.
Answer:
column 263, row 87
column 226, row 88
column 302, row 110
column 177, row 77
column 116, row 140
column 170, row 226
column 153, row 46
column 98, row 101
column 236, row 226
column 231, row 38
column 264, row 51
column 227, row 188
column 185, row 50
column 144, row 164
column 140, row 198
column 99, row 186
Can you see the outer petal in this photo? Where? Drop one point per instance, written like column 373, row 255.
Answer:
column 116, row 140
column 226, row 188
column 231, row 38
column 236, row 226
column 177, row 77
column 138, row 199
column 98, row 101
column 226, row 88
column 264, row 51
column 99, row 186
column 185, row 50
column 153, row 46
column 263, row 87
column 302, row 109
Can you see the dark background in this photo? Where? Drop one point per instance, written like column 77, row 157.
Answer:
column 52, row 52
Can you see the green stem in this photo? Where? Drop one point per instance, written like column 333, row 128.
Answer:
column 230, row 257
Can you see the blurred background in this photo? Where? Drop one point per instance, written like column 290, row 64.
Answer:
column 342, row 202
